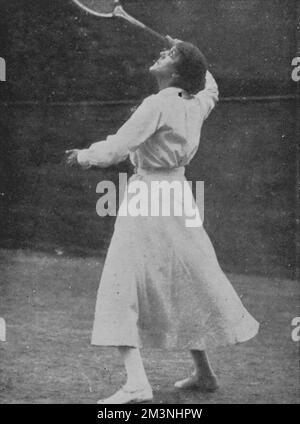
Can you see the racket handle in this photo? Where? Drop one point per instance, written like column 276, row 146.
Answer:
column 156, row 34
column 120, row 13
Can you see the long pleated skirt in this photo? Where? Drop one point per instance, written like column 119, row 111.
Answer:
column 162, row 285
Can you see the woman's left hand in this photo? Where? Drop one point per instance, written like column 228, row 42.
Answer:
column 71, row 157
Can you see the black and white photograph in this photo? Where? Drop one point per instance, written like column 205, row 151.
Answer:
column 149, row 204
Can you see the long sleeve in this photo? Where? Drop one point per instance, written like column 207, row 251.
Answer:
column 209, row 96
column 140, row 126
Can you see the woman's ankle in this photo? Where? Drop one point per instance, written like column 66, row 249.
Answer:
column 204, row 375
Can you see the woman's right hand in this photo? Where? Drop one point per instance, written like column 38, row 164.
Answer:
column 173, row 41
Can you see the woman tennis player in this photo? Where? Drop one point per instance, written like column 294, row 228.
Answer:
column 161, row 285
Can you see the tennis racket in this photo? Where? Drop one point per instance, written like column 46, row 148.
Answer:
column 114, row 9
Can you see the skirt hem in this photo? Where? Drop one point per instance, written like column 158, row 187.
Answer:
column 235, row 339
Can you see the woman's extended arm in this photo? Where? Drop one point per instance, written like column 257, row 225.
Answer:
column 140, row 126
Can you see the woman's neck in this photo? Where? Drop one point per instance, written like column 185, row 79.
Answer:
column 163, row 83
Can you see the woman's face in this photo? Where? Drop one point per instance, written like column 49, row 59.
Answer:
column 165, row 66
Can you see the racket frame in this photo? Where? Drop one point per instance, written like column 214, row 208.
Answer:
column 119, row 12
column 93, row 12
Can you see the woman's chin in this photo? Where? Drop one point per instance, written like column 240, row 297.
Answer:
column 154, row 69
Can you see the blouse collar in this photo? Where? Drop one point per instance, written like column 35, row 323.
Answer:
column 175, row 91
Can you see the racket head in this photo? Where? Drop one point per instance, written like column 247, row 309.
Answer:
column 101, row 8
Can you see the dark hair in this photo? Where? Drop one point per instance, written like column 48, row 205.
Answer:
column 191, row 67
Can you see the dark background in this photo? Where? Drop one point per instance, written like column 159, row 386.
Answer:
column 72, row 79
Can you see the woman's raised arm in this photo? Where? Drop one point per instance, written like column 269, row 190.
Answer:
column 209, row 96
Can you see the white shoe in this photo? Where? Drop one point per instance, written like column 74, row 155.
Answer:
column 196, row 383
column 124, row 396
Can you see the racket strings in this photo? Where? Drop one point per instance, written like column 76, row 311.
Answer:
column 106, row 9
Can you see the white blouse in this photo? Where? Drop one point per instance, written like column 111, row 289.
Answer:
column 164, row 131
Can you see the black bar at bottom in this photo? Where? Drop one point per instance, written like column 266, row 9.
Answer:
column 139, row 413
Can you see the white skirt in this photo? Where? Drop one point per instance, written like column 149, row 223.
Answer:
column 162, row 286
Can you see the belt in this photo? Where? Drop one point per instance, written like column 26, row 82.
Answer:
column 160, row 171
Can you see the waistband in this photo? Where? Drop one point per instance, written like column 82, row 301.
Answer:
column 160, row 171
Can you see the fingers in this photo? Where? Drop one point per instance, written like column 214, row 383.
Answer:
column 72, row 151
column 172, row 41
column 70, row 164
column 71, row 160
